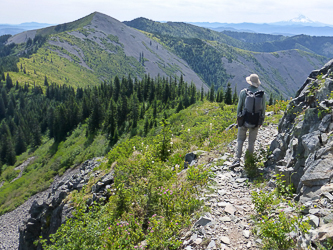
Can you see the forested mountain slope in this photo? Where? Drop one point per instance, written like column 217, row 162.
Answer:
column 219, row 59
column 93, row 49
column 321, row 45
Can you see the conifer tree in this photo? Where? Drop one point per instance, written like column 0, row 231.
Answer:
column 116, row 135
column 2, row 109
column 9, row 82
column 212, row 93
column 179, row 107
column 4, row 97
column 60, row 123
column 218, row 96
column 11, row 109
column 7, row 153
column 193, row 94
column 95, row 117
column 36, row 134
column 122, row 110
column 110, row 122
column 270, row 99
column 85, row 108
column 146, row 126
column 50, row 120
column 10, row 154
column 186, row 101
column 130, row 86
column 155, row 109
column 46, row 82
column 135, row 111
column 221, row 95
column 228, row 95
column 235, row 96
column 116, row 91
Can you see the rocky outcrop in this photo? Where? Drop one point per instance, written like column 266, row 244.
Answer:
column 303, row 149
column 47, row 215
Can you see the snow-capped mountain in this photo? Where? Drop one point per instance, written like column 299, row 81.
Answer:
column 301, row 19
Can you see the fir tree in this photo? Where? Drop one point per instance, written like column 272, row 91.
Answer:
column 7, row 153
column 212, row 93
column 235, row 96
column 135, row 111
column 180, row 107
column 2, row 109
column 155, row 109
column 142, row 111
column 9, row 82
column 36, row 134
column 110, row 122
column 146, row 126
column 95, row 117
column 46, row 82
column 116, row 91
column 228, row 95
column 270, row 99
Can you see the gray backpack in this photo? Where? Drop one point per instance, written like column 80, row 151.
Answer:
column 253, row 108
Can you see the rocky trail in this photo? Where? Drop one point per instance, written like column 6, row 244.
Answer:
column 228, row 224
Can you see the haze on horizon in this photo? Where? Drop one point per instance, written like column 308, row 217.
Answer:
column 224, row 11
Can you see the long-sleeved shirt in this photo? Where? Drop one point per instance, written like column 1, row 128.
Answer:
column 241, row 101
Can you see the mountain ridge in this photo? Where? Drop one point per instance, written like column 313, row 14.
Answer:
column 98, row 47
column 109, row 47
column 239, row 58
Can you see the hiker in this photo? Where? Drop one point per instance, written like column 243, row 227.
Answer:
column 250, row 115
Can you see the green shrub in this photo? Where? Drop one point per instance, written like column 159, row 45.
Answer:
column 262, row 201
column 276, row 230
column 282, row 189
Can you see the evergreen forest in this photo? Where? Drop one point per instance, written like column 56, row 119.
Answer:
column 31, row 116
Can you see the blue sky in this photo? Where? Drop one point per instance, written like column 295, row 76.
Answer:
column 230, row 11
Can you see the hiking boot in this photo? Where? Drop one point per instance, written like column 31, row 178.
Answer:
column 236, row 163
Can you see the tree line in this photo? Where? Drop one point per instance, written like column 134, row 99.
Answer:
column 29, row 112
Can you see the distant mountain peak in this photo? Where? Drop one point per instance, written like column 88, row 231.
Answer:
column 301, row 19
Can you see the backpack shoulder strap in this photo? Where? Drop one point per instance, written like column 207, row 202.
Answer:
column 259, row 93
column 248, row 91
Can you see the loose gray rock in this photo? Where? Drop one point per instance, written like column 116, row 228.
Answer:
column 225, row 240
column 246, row 233
column 203, row 221
column 230, row 209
